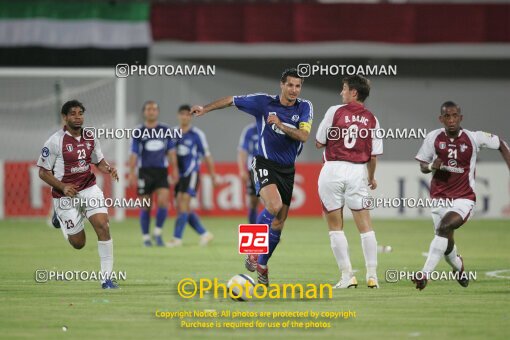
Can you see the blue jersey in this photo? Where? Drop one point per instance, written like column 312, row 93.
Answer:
column 152, row 152
column 249, row 142
column 274, row 144
column 191, row 148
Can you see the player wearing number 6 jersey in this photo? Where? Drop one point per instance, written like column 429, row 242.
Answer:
column 450, row 154
column 65, row 164
column 345, row 132
column 283, row 125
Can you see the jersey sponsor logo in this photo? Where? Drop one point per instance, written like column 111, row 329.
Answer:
column 76, row 169
column 182, row 150
column 277, row 130
column 45, row 152
column 69, row 147
column 452, row 162
column 463, row 147
column 253, row 239
column 154, row 145
column 82, row 162
column 295, row 118
column 442, row 145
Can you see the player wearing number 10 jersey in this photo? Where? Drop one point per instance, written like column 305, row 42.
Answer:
column 450, row 154
column 345, row 132
column 283, row 124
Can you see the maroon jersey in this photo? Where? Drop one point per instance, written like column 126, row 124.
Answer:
column 348, row 133
column 69, row 158
column 456, row 179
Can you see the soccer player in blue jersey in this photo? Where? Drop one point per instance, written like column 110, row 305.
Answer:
column 152, row 156
column 283, row 123
column 191, row 149
column 248, row 146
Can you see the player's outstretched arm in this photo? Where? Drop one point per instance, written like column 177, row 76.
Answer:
column 215, row 105
column 105, row 168
column 48, row 177
column 505, row 152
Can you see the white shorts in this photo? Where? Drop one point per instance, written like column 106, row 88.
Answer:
column 71, row 217
column 343, row 183
column 461, row 206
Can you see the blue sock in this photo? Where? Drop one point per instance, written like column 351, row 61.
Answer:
column 145, row 221
column 194, row 221
column 252, row 216
column 274, row 238
column 180, row 223
column 265, row 217
column 161, row 217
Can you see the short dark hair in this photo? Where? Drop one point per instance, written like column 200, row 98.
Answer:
column 184, row 107
column 448, row 104
column 290, row 72
column 70, row 104
column 360, row 84
column 147, row 102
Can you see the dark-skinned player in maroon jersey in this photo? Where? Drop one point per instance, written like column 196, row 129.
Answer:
column 65, row 165
column 450, row 154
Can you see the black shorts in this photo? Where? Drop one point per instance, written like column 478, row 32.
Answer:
column 150, row 179
column 267, row 172
column 188, row 184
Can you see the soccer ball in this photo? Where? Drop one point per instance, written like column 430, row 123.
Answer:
column 237, row 287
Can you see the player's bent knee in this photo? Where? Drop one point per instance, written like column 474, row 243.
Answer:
column 77, row 244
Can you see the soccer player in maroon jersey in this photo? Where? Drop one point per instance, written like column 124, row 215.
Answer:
column 351, row 152
column 65, row 165
column 450, row 155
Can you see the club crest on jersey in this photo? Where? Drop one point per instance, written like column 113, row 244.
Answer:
column 442, row 145
column 295, row 118
column 463, row 147
column 45, row 152
column 69, row 147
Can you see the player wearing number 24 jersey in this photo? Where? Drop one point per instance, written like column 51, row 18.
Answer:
column 450, row 153
column 348, row 172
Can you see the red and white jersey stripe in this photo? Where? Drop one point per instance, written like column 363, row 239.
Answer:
column 69, row 158
column 457, row 179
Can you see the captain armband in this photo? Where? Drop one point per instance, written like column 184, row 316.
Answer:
column 307, row 126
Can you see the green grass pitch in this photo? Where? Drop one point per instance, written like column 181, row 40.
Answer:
column 444, row 310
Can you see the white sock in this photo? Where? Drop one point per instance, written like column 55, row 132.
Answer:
column 146, row 237
column 105, row 249
column 369, row 245
column 340, row 249
column 157, row 231
column 453, row 260
column 436, row 252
